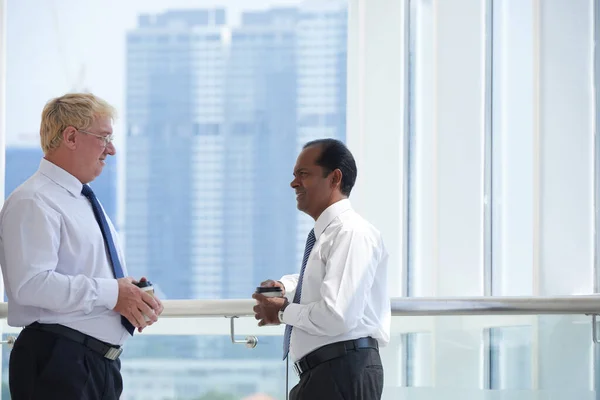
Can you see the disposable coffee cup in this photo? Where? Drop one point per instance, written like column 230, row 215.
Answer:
column 271, row 291
column 147, row 287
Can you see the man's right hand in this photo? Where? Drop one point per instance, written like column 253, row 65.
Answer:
column 134, row 303
column 272, row 283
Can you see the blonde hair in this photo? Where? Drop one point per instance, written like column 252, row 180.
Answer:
column 73, row 109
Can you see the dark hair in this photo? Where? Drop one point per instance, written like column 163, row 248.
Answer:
column 335, row 155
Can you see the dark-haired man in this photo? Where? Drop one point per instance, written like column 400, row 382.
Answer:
column 337, row 309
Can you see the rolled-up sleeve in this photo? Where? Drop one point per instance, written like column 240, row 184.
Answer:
column 350, row 272
column 30, row 232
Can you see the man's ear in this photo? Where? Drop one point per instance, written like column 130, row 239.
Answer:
column 336, row 179
column 69, row 135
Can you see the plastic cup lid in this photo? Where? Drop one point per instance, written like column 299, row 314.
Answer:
column 272, row 289
column 143, row 284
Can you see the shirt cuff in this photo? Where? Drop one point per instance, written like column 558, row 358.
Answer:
column 291, row 314
column 287, row 284
column 108, row 292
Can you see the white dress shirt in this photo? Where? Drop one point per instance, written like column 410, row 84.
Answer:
column 344, row 289
column 54, row 261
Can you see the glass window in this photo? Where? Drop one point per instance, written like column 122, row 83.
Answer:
column 501, row 175
column 205, row 118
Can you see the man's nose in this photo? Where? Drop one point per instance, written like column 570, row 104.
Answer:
column 110, row 149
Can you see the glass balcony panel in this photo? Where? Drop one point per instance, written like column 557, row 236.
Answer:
column 449, row 357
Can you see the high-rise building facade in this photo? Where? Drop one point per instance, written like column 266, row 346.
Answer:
column 261, row 136
column 175, row 64
column 321, row 87
column 173, row 220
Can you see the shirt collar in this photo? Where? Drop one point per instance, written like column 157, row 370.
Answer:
column 61, row 177
column 331, row 213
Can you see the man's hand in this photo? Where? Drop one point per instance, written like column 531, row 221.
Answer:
column 156, row 311
column 267, row 309
column 272, row 283
column 133, row 303
column 160, row 305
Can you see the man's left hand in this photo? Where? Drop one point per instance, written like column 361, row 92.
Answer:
column 158, row 311
column 267, row 309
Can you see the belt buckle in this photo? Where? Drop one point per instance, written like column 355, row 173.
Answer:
column 298, row 369
column 113, row 353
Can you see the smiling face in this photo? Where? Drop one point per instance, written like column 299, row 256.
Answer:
column 315, row 189
column 73, row 131
column 86, row 150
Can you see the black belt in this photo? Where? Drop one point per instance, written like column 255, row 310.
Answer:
column 107, row 350
column 331, row 351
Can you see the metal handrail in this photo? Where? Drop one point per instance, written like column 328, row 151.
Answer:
column 496, row 305
column 403, row 306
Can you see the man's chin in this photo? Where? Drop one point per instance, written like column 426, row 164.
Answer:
column 97, row 173
column 301, row 206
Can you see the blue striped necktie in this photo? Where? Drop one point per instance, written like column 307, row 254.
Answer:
column 310, row 242
column 108, row 241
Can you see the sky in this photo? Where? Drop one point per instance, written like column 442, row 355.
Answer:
column 56, row 46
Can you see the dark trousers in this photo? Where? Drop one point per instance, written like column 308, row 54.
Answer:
column 356, row 376
column 46, row 366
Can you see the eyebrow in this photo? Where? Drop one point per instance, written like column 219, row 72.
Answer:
column 301, row 169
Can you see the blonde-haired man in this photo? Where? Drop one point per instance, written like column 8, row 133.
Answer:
column 62, row 266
